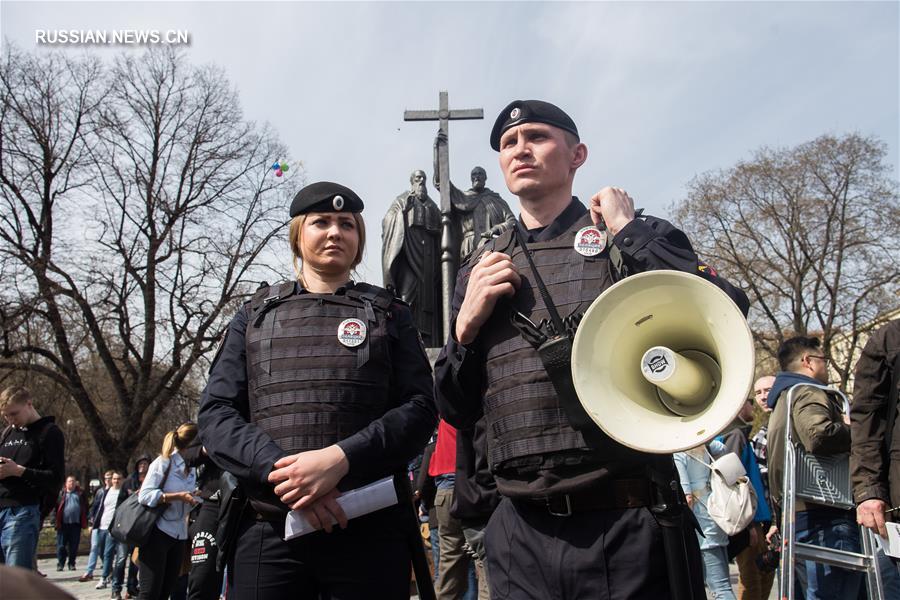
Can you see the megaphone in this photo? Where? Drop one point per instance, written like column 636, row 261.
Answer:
column 663, row 361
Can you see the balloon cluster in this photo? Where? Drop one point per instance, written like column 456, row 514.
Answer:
column 280, row 168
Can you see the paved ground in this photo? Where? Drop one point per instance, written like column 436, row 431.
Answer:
column 68, row 580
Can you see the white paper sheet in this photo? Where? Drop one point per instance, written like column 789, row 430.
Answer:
column 355, row 503
column 892, row 544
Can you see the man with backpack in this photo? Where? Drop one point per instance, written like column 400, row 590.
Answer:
column 32, row 465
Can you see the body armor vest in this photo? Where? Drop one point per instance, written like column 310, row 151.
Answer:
column 306, row 389
column 527, row 427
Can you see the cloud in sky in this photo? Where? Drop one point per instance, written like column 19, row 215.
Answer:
column 661, row 91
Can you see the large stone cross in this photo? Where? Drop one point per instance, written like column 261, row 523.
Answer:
column 444, row 115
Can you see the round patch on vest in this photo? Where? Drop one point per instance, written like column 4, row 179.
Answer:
column 351, row 332
column 589, row 241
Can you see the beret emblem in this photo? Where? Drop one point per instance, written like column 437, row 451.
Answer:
column 514, row 113
column 338, row 202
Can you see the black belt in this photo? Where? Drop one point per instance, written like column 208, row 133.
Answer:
column 263, row 511
column 618, row 494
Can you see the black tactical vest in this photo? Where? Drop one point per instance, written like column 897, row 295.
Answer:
column 308, row 390
column 527, row 427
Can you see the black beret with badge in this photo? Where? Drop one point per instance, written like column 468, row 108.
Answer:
column 530, row 111
column 325, row 197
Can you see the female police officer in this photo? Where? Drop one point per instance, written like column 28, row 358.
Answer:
column 320, row 385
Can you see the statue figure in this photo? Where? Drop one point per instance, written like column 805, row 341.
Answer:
column 474, row 211
column 410, row 253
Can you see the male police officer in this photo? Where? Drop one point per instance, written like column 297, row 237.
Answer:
column 575, row 521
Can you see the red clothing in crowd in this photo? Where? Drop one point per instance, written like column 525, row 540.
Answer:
column 443, row 461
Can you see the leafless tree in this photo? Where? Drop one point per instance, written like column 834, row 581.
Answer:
column 810, row 232
column 138, row 207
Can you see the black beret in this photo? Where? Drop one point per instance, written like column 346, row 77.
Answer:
column 530, row 111
column 324, row 196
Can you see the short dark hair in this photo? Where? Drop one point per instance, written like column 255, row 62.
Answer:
column 793, row 350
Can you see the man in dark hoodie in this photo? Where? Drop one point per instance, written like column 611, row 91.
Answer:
column 820, row 426
column 133, row 482
column 32, row 464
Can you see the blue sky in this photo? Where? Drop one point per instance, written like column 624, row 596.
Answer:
column 660, row 91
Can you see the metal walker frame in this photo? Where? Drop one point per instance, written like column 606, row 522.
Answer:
column 866, row 561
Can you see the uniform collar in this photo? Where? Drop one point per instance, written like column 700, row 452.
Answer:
column 561, row 224
column 341, row 291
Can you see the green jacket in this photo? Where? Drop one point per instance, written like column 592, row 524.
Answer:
column 817, row 425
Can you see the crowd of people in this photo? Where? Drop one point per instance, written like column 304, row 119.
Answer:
column 321, row 385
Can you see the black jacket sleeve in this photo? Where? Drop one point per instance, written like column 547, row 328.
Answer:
column 50, row 472
column 459, row 370
column 651, row 243
column 231, row 440
column 389, row 442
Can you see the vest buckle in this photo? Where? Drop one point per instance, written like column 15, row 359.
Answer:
column 554, row 506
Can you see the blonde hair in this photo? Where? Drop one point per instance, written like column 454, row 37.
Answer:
column 14, row 394
column 178, row 438
column 295, row 231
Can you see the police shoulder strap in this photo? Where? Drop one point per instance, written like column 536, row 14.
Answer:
column 266, row 298
column 377, row 296
column 500, row 238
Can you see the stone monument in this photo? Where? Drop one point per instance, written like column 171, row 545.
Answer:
column 410, row 252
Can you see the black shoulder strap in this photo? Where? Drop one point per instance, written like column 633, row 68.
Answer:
column 267, row 298
column 500, row 238
column 379, row 297
column 545, row 294
column 507, row 239
column 892, row 403
column 555, row 352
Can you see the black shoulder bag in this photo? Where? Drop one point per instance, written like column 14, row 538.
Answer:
column 133, row 522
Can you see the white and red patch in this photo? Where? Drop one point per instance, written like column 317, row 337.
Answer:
column 589, row 241
column 351, row 332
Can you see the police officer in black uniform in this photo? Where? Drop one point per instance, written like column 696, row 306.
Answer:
column 582, row 516
column 321, row 386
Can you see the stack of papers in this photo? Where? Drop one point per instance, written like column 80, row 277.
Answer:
column 355, row 503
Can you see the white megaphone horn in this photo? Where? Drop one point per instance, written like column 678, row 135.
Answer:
column 663, row 361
